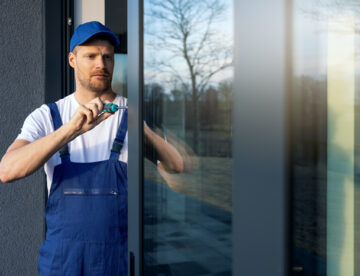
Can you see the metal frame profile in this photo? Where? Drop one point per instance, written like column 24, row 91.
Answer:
column 135, row 132
column 260, row 133
column 58, row 28
column 68, row 27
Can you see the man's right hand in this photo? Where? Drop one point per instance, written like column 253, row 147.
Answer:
column 87, row 116
column 23, row 158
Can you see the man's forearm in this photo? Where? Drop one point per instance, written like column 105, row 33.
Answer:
column 168, row 155
column 23, row 159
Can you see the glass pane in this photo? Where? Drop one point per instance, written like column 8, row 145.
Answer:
column 325, row 135
column 187, row 101
column 119, row 81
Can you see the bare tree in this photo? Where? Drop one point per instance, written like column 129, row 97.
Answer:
column 193, row 45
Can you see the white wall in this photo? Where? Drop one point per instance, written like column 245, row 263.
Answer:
column 89, row 10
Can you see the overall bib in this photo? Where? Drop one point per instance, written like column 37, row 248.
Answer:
column 86, row 214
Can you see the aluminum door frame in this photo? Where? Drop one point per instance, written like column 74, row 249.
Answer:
column 260, row 137
column 135, row 134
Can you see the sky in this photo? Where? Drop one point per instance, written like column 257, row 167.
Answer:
column 153, row 55
column 313, row 22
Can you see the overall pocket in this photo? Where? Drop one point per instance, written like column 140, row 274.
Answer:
column 91, row 214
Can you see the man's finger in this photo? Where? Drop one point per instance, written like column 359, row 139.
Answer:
column 106, row 102
column 98, row 103
column 102, row 117
column 87, row 112
column 95, row 110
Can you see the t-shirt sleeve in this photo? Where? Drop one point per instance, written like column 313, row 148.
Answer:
column 37, row 125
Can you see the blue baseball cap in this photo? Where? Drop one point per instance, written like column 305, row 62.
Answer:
column 87, row 30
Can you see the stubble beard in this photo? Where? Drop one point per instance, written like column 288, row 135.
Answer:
column 95, row 86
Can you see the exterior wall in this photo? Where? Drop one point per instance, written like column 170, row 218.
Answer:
column 89, row 10
column 22, row 83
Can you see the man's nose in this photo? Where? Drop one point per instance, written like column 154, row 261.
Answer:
column 100, row 62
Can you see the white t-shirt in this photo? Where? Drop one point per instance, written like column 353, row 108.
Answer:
column 94, row 145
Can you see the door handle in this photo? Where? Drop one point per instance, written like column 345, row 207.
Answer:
column 132, row 264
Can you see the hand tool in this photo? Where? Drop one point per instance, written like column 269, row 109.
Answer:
column 112, row 108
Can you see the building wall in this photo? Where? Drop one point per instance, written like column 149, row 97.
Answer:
column 89, row 10
column 22, row 202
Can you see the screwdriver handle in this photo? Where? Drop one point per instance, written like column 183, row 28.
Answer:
column 112, row 108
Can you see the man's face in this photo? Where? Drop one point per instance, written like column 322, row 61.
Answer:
column 93, row 64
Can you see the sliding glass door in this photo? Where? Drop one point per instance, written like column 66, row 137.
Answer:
column 213, row 201
column 325, row 147
column 187, row 99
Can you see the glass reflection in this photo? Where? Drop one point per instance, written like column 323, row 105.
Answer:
column 325, row 134
column 119, row 81
column 187, row 100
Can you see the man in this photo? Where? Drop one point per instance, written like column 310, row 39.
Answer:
column 84, row 153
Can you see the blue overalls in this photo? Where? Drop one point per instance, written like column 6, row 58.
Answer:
column 86, row 214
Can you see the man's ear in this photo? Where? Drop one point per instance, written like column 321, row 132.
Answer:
column 72, row 59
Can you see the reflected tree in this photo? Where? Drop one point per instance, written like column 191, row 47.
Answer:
column 193, row 46
column 339, row 11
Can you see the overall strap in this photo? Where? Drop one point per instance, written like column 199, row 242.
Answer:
column 57, row 122
column 120, row 137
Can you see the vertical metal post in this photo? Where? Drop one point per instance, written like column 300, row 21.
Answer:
column 68, row 24
column 135, row 165
column 260, row 138
column 57, row 36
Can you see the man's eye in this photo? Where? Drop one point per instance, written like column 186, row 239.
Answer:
column 91, row 56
